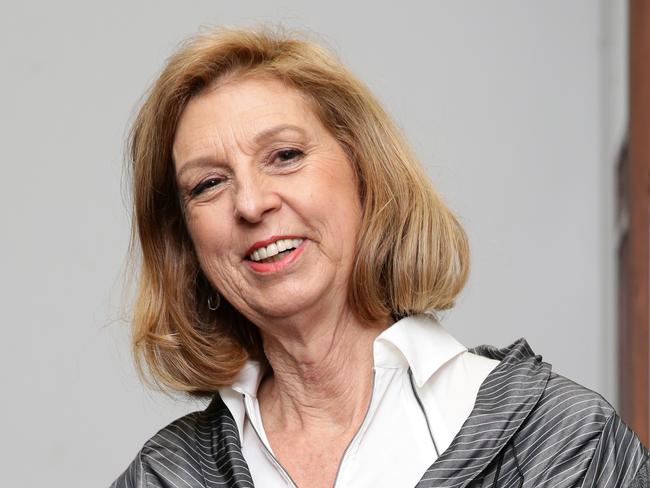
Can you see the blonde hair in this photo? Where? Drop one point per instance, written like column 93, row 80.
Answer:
column 411, row 254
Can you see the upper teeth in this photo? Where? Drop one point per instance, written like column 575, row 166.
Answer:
column 274, row 248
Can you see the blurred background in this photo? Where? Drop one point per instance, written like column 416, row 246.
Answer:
column 517, row 109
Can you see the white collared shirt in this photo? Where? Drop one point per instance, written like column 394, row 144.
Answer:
column 425, row 385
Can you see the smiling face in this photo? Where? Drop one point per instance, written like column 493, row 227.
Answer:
column 271, row 199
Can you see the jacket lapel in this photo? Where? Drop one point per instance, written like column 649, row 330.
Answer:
column 219, row 446
column 503, row 402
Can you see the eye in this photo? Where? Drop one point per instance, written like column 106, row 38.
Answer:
column 205, row 185
column 287, row 155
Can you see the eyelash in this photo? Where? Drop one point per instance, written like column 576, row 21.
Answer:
column 297, row 153
column 204, row 185
column 215, row 181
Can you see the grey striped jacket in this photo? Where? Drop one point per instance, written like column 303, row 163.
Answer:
column 529, row 427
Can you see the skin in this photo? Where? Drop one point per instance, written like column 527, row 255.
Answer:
column 239, row 189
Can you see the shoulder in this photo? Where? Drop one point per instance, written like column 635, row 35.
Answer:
column 201, row 449
column 524, row 378
column 560, row 433
column 573, row 432
column 572, row 405
column 167, row 458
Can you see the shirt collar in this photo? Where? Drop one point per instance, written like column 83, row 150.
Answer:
column 248, row 379
column 418, row 342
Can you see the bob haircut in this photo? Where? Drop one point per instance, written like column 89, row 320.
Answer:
column 411, row 253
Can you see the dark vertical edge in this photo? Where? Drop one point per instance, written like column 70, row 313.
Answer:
column 634, row 263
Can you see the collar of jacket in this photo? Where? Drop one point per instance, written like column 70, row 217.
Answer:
column 503, row 402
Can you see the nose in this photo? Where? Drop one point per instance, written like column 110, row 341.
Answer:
column 254, row 198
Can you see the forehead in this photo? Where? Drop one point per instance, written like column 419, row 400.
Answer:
column 234, row 112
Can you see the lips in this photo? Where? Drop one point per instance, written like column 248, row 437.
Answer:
column 279, row 261
column 272, row 246
column 275, row 250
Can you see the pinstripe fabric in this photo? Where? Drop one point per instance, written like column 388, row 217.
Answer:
column 642, row 478
column 532, row 427
column 201, row 449
column 529, row 427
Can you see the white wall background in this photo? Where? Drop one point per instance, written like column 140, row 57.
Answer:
column 517, row 109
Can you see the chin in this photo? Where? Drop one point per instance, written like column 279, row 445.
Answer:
column 284, row 305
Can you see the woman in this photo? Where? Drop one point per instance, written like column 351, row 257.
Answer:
column 293, row 257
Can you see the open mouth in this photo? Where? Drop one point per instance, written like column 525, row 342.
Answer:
column 275, row 251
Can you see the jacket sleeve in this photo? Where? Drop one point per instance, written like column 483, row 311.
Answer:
column 138, row 475
column 619, row 461
column 133, row 477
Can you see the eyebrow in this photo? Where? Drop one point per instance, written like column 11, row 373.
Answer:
column 258, row 140
column 273, row 131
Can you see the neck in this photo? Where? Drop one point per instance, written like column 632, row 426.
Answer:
column 322, row 373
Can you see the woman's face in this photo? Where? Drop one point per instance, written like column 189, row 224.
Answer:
column 270, row 197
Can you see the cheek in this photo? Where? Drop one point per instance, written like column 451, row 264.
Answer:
column 213, row 244
column 350, row 225
column 337, row 201
column 211, row 238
